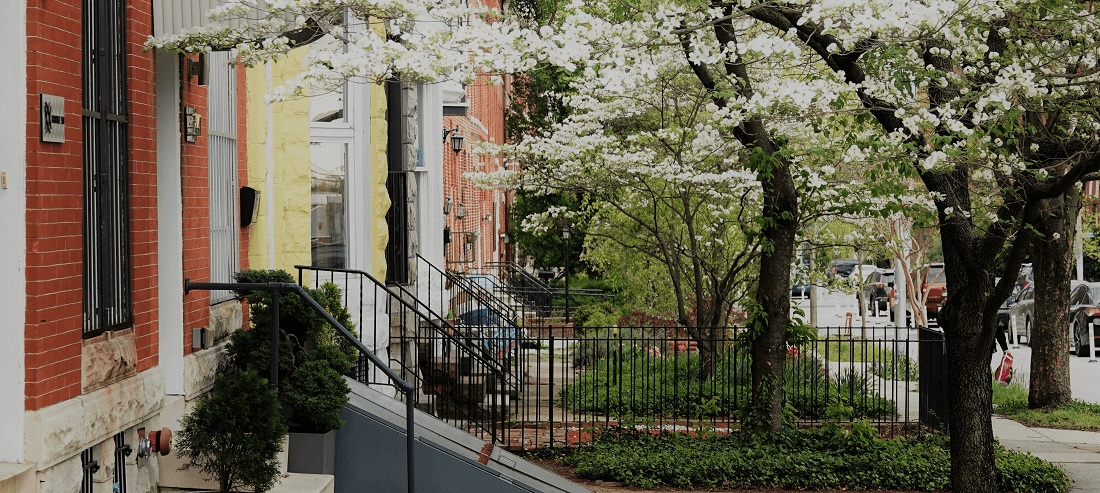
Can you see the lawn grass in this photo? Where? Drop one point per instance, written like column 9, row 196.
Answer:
column 1075, row 415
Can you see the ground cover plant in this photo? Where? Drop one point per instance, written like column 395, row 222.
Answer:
column 1011, row 401
column 654, row 377
column 814, row 459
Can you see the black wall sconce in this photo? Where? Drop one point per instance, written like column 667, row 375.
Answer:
column 447, row 206
column 456, row 139
column 197, row 68
column 250, row 205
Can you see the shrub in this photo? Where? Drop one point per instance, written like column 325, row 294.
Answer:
column 814, row 459
column 592, row 315
column 316, row 390
column 640, row 377
column 234, row 433
column 312, row 355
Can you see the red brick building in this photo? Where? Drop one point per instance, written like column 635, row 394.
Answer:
column 121, row 179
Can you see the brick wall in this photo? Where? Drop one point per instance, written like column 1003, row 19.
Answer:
column 55, row 200
column 484, row 123
column 195, row 185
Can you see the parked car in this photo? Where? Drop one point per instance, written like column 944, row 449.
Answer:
column 1003, row 316
column 935, row 285
column 1084, row 323
column 841, row 268
column 876, row 292
column 1022, row 313
column 1026, row 278
column 800, row 290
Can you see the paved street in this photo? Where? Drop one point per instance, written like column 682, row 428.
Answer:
column 834, row 306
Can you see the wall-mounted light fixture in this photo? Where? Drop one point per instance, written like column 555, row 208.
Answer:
column 197, row 68
column 250, row 205
column 456, row 139
column 460, row 211
column 447, row 206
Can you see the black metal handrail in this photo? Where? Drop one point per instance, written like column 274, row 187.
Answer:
column 473, row 290
column 532, row 290
column 444, row 334
column 276, row 289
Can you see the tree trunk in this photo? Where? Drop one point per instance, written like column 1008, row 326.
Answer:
column 769, row 348
column 969, row 335
column 1053, row 263
column 970, row 397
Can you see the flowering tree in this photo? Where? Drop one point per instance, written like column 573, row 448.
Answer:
column 991, row 104
column 666, row 186
column 995, row 103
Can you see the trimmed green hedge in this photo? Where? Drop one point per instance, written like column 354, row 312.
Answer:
column 826, row 458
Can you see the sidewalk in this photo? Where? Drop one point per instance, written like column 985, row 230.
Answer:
column 1076, row 451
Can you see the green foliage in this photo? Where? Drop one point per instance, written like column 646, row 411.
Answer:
column 316, row 390
column 792, row 459
column 547, row 247
column 1074, row 415
column 895, row 367
column 1025, row 473
column 312, row 355
column 234, row 433
column 639, row 377
column 601, row 314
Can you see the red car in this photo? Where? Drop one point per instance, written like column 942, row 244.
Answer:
column 935, row 284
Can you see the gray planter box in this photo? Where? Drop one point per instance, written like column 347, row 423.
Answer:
column 312, row 453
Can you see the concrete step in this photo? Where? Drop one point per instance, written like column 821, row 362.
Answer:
column 18, row 478
column 293, row 482
column 371, row 451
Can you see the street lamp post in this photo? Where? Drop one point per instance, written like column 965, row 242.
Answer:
column 565, row 236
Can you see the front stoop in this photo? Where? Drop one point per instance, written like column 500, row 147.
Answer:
column 18, row 478
column 294, row 482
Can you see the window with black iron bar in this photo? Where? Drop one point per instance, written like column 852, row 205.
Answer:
column 122, row 450
column 88, row 466
column 221, row 93
column 107, row 294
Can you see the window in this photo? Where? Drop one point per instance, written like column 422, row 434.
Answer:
column 88, row 466
column 106, row 185
column 397, row 247
column 397, row 183
column 222, row 158
column 328, row 237
column 121, row 451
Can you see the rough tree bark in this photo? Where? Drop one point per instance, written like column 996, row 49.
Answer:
column 779, row 226
column 1053, row 258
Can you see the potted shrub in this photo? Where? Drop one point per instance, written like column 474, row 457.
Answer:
column 312, row 361
column 234, row 433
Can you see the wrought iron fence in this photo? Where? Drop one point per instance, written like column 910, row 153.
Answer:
column 573, row 384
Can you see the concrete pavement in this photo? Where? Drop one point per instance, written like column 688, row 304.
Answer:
column 1076, row 451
